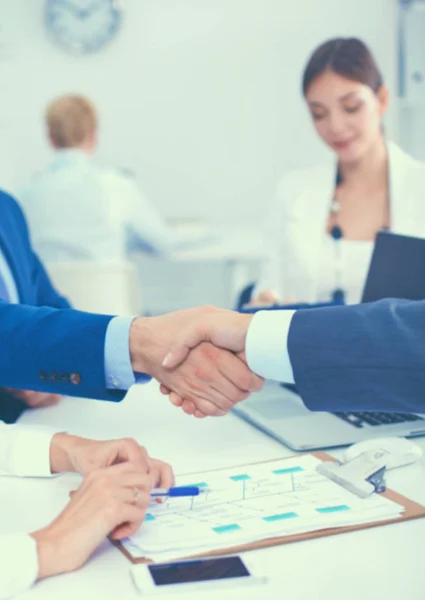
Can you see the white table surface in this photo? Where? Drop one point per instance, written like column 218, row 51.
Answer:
column 385, row 562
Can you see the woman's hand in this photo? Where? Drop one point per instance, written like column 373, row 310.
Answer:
column 263, row 298
column 34, row 399
column 73, row 453
column 110, row 501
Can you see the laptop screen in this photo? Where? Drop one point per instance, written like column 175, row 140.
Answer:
column 397, row 268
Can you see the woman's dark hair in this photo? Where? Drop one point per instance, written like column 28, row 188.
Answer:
column 349, row 57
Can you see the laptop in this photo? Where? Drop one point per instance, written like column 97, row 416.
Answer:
column 396, row 271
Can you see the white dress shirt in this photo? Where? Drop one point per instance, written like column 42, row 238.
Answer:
column 266, row 346
column 24, row 451
column 78, row 210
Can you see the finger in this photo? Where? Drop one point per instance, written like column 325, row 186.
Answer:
column 126, row 529
column 141, row 481
column 166, row 474
column 132, row 495
column 128, row 450
column 175, row 399
column 208, row 408
column 35, row 399
column 188, row 407
column 199, row 415
column 53, row 400
column 128, row 520
column 179, row 351
column 164, row 390
column 236, row 371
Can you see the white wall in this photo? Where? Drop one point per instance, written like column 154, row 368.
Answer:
column 199, row 97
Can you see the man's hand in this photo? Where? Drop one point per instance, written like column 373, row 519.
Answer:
column 73, row 453
column 111, row 501
column 203, row 374
column 34, row 399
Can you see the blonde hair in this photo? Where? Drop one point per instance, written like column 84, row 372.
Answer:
column 70, row 120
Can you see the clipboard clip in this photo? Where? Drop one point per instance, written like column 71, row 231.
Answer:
column 362, row 475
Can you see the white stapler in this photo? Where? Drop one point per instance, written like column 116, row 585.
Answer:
column 362, row 475
column 364, row 464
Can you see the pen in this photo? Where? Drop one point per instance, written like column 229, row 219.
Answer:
column 175, row 492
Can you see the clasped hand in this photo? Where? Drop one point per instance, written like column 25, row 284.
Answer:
column 198, row 356
column 112, row 499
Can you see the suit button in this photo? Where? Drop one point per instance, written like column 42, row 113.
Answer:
column 54, row 376
column 75, row 378
column 43, row 376
column 64, row 377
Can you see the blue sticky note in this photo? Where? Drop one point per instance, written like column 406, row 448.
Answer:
column 288, row 471
column 240, row 477
column 149, row 517
column 198, row 485
column 331, row 509
column 226, row 528
column 281, row 517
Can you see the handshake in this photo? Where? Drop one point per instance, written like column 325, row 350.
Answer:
column 198, row 356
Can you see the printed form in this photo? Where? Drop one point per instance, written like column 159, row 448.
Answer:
column 251, row 503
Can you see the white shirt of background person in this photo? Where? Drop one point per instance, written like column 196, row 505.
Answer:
column 80, row 211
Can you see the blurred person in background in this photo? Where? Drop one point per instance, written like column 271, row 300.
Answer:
column 325, row 219
column 78, row 210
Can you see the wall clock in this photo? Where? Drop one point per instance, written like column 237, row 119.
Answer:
column 83, row 26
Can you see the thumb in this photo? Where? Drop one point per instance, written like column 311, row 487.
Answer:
column 184, row 344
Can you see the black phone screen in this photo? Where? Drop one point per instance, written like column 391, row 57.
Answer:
column 198, row 570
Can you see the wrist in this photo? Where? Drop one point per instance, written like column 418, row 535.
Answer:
column 141, row 343
column 49, row 554
column 61, row 452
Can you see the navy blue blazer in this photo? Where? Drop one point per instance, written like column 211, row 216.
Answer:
column 52, row 348
column 361, row 357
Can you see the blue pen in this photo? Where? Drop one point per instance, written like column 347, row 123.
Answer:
column 176, row 492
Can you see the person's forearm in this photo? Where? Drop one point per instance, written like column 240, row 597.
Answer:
column 363, row 357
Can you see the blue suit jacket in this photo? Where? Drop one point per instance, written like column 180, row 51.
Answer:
column 53, row 348
column 363, row 357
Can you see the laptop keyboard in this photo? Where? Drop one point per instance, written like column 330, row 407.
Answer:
column 360, row 419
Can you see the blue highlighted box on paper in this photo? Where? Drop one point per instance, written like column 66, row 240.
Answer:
column 226, row 528
column 281, row 517
column 288, row 471
column 332, row 509
column 149, row 517
column 240, row 477
column 198, row 485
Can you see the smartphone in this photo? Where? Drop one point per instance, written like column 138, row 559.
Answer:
column 197, row 575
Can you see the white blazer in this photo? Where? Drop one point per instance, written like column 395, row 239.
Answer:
column 297, row 225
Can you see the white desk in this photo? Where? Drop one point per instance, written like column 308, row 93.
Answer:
column 386, row 562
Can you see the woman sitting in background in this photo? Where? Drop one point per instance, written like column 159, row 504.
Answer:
column 325, row 220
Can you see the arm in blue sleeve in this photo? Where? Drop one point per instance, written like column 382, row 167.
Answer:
column 119, row 374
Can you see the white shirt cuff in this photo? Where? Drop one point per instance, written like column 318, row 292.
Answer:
column 118, row 370
column 28, row 453
column 267, row 345
column 19, row 564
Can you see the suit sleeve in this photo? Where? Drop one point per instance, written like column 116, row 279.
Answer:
column 362, row 357
column 61, row 351
column 47, row 294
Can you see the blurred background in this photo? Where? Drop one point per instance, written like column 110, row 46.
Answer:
column 199, row 101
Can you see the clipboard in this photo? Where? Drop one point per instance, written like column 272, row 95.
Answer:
column 412, row 510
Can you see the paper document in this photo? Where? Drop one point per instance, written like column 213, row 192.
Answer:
column 252, row 503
